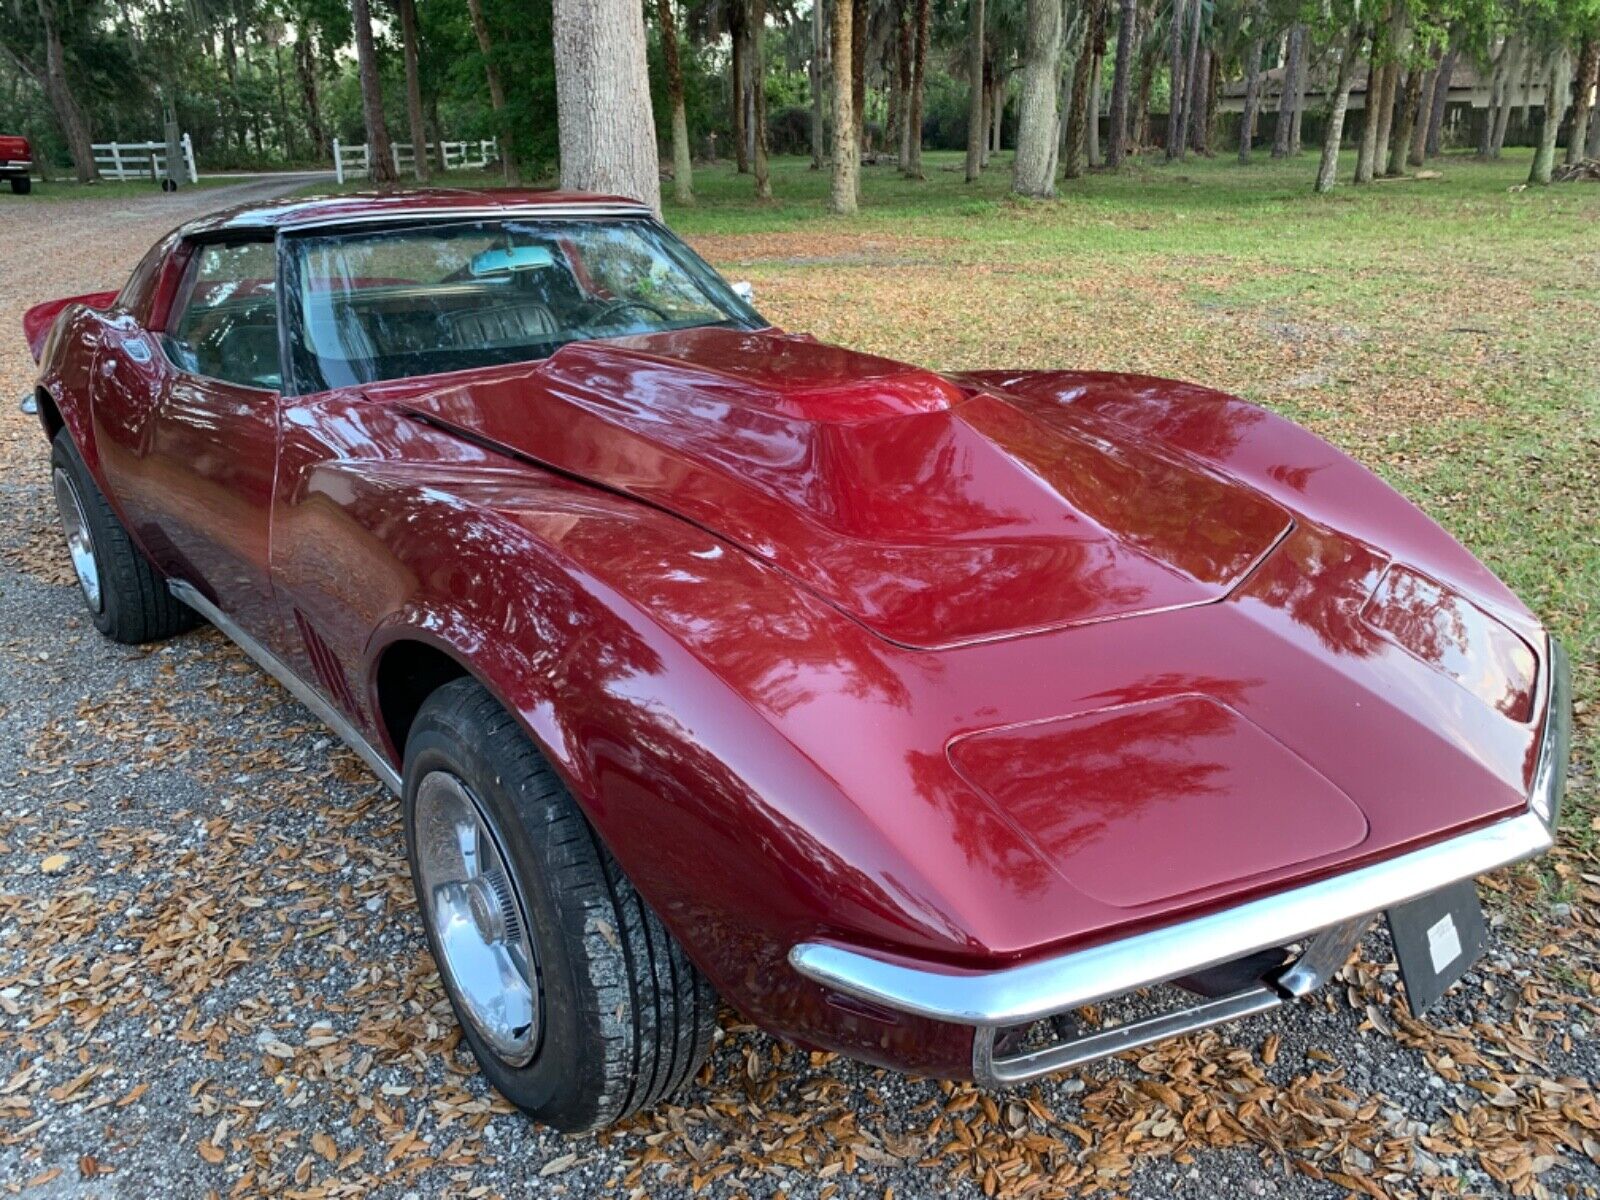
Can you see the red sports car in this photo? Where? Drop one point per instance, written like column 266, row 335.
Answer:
column 913, row 714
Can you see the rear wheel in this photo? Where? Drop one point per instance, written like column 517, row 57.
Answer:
column 21, row 185
column 126, row 596
column 578, row 1004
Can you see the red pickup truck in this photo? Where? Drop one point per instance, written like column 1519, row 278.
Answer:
column 16, row 161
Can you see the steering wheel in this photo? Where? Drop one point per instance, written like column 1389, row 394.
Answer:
column 616, row 306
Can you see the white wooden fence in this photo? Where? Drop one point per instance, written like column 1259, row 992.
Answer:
column 140, row 160
column 356, row 161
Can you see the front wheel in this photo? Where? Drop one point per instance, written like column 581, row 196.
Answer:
column 578, row 1004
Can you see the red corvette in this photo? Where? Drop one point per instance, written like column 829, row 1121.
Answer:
column 913, row 714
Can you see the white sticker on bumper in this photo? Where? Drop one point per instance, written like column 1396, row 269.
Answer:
column 1444, row 943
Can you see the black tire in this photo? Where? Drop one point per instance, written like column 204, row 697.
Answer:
column 626, row 1018
column 21, row 185
column 134, row 603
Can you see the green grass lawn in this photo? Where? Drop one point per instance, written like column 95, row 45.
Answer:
column 1444, row 331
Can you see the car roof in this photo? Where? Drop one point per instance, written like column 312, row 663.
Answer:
column 360, row 208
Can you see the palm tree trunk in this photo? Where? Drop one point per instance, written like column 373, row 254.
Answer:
column 1303, row 76
column 1121, row 82
column 1513, row 55
column 603, row 115
column 682, row 161
column 905, row 32
column 1391, row 82
column 737, row 17
column 842, row 197
column 975, row 89
column 1369, row 123
column 758, row 21
column 1175, row 55
column 1408, row 115
column 858, row 77
column 1191, row 59
column 380, row 156
column 1092, row 124
column 814, row 70
column 1419, row 127
column 919, row 69
column 497, row 93
column 419, row 133
column 1078, row 111
column 1440, row 101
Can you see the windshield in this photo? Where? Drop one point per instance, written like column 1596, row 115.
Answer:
column 368, row 305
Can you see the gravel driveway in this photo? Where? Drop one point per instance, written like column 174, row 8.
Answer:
column 213, row 981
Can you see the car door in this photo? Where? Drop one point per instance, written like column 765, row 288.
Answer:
column 187, row 428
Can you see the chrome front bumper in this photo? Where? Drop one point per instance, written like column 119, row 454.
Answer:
column 1326, row 917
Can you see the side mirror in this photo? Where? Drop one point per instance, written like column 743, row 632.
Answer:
column 745, row 291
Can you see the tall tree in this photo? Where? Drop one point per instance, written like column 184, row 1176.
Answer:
column 1191, row 58
column 815, row 67
column 1557, row 80
column 1122, row 81
column 738, row 20
column 1076, row 142
column 603, row 115
column 1252, row 99
column 975, row 125
column 419, row 132
column 497, row 92
column 1175, row 146
column 1401, row 142
column 758, row 155
column 842, row 195
column 1588, row 78
column 52, row 77
column 380, row 155
column 1333, row 136
column 1440, row 99
column 1293, row 63
column 1368, row 153
column 305, row 69
column 1419, row 128
column 682, row 161
column 919, row 70
column 905, row 22
column 1032, row 170
column 858, row 77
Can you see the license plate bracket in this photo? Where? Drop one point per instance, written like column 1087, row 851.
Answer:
column 1437, row 938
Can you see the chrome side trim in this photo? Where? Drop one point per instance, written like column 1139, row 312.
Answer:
column 296, row 222
column 1025, row 993
column 296, row 687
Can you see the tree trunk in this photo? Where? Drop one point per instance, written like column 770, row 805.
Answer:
column 497, row 94
column 1419, row 126
column 380, row 157
column 919, row 68
column 997, row 116
column 1200, row 102
column 1147, row 76
column 988, row 120
column 1078, row 112
column 1439, row 102
column 1555, row 109
column 1502, row 112
column 814, row 70
column 1092, row 124
column 1180, row 10
column 859, row 32
column 305, row 67
column 1591, row 145
column 682, row 158
column 419, row 133
column 1408, row 115
column 1282, row 136
column 1369, row 123
column 905, row 32
column 1328, row 168
column 975, row 89
column 1588, row 76
column 1121, row 80
column 1300, row 95
column 1191, row 61
column 1032, row 171
column 737, row 17
column 1252, row 98
column 603, row 116
column 758, row 22
column 63, row 102
column 1391, row 82
column 842, row 196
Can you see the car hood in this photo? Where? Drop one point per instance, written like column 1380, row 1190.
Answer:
column 934, row 513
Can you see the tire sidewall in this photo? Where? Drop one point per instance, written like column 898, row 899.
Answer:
column 551, row 1086
column 64, row 454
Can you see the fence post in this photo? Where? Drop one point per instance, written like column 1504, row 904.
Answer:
column 394, row 150
column 116, row 160
column 338, row 161
column 188, row 158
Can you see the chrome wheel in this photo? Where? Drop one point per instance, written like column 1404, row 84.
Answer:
column 478, row 918
column 80, row 543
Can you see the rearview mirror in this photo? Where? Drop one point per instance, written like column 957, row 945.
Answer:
column 744, row 291
column 514, row 258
